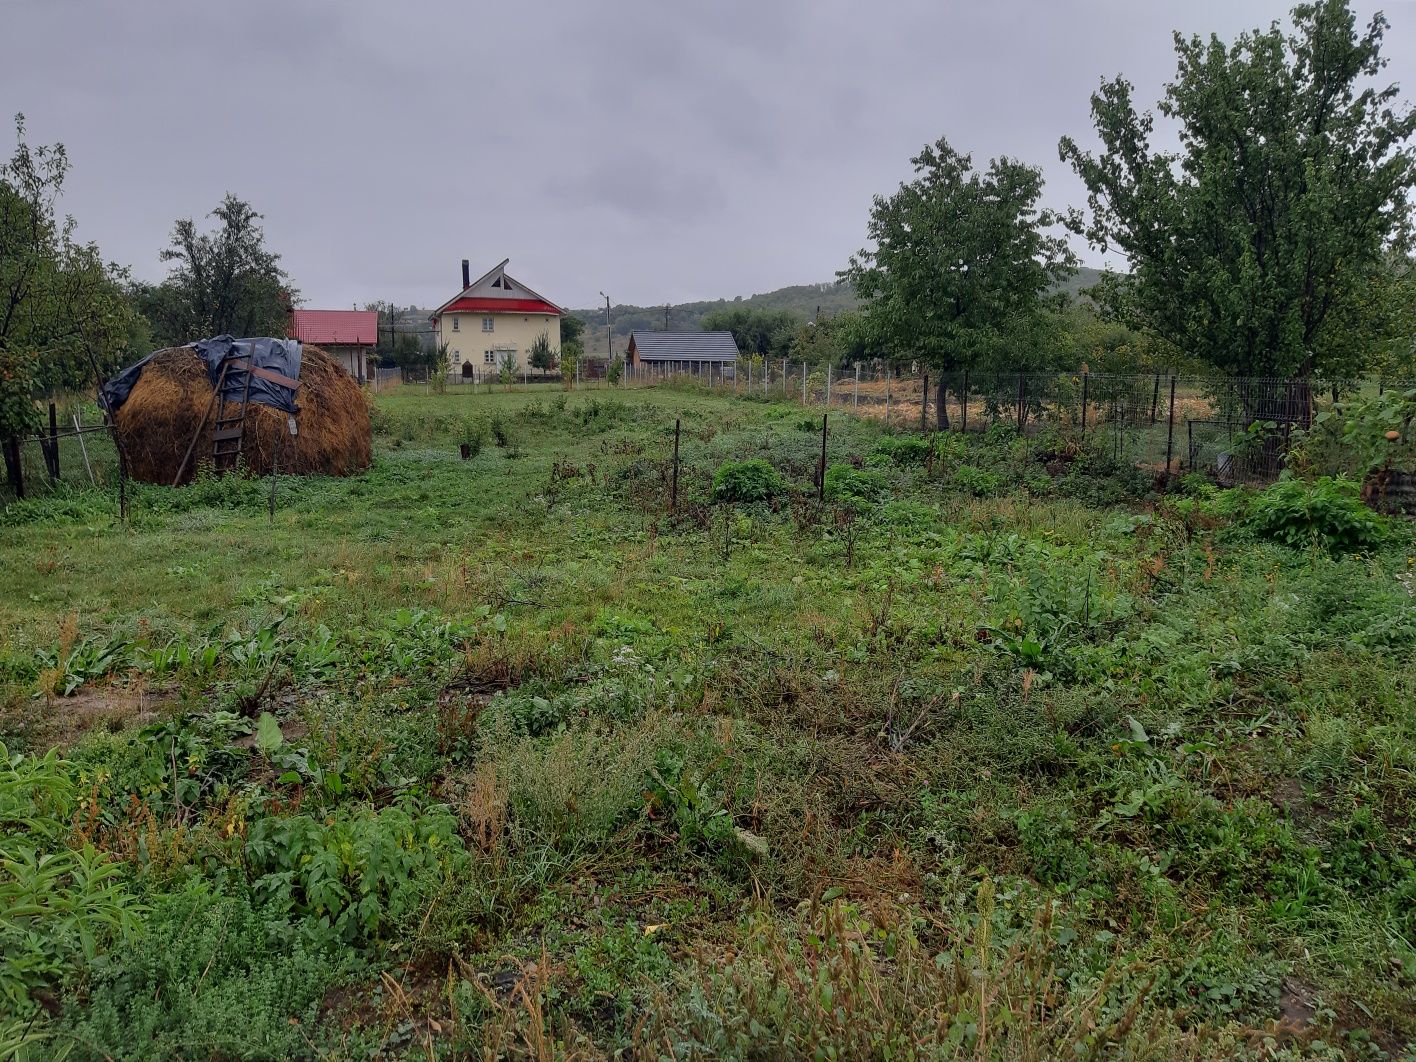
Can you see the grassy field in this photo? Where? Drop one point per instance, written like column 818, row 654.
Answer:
column 996, row 753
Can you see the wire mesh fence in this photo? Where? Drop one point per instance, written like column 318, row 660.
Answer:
column 1237, row 429
column 78, row 451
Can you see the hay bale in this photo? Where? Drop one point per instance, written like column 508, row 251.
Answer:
column 166, row 405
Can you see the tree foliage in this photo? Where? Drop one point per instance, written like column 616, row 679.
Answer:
column 756, row 331
column 63, row 311
column 541, row 357
column 1261, row 245
column 962, row 260
column 224, row 282
column 833, row 340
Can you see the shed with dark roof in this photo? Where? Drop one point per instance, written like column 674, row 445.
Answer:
column 700, row 353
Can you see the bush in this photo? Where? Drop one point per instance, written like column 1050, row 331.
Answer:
column 746, row 481
column 904, row 449
column 977, row 481
column 857, row 488
column 350, row 875
column 1326, row 512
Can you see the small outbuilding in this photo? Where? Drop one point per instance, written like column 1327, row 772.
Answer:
column 349, row 336
column 698, row 353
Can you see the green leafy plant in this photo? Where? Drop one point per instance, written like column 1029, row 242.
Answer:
column 857, row 488
column 979, row 482
column 1326, row 513
column 352, row 874
column 746, row 481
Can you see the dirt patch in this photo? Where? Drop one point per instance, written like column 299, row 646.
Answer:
column 64, row 721
column 1296, row 1008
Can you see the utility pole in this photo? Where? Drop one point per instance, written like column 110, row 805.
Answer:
column 609, row 336
column 666, row 317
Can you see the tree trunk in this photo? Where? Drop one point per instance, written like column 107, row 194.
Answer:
column 941, row 407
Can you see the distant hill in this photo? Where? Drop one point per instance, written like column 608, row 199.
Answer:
column 803, row 300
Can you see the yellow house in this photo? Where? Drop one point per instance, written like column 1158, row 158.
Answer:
column 493, row 322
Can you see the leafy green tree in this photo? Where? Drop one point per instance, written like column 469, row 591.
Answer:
column 1261, row 243
column 63, row 311
column 962, row 262
column 756, row 331
column 831, row 340
column 541, row 356
column 221, row 282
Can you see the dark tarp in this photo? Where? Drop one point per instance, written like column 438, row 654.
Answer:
column 277, row 356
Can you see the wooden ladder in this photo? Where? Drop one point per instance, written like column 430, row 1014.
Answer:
column 229, row 432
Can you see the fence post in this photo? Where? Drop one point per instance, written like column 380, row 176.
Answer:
column 1170, row 433
column 1086, row 397
column 14, row 467
column 964, row 410
column 786, row 378
column 83, row 449
column 924, row 406
column 1155, row 396
column 1288, row 418
column 673, row 491
column 888, row 374
column 828, row 385
column 855, row 394
column 821, row 466
column 1021, row 395
column 51, row 453
column 803, row 383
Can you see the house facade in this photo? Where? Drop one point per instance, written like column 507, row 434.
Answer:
column 351, row 336
column 493, row 322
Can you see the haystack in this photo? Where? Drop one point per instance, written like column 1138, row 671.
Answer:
column 168, row 400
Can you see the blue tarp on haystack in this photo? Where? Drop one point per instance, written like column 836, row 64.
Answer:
column 277, row 356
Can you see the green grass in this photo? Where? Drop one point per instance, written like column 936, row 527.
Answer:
column 996, row 753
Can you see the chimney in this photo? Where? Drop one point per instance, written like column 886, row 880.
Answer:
column 466, row 274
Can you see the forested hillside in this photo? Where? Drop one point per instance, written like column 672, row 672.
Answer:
column 803, row 300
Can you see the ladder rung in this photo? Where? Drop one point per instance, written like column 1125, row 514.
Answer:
column 227, row 433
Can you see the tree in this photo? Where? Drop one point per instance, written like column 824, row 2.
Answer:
column 1259, row 244
column 830, row 340
column 542, row 357
column 64, row 317
column 755, row 331
column 224, row 282
column 962, row 262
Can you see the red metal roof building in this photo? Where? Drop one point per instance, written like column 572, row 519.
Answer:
column 492, row 325
column 350, row 335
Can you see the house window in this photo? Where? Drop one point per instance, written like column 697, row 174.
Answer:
column 489, row 324
column 455, row 323
column 489, row 358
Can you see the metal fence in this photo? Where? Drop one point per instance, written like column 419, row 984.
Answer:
column 1238, row 429
column 77, row 451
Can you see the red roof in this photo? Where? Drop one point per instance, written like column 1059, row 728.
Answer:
column 499, row 306
column 336, row 327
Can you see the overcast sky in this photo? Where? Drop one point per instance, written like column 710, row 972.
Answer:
column 658, row 151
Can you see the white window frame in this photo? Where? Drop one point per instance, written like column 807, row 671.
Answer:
column 489, row 324
column 489, row 358
column 456, row 321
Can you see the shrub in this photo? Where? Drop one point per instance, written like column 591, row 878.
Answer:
column 979, row 482
column 746, row 481
column 857, row 488
column 904, row 449
column 57, row 904
column 351, row 874
column 1326, row 512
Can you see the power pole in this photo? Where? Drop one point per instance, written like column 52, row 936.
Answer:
column 609, row 336
column 666, row 317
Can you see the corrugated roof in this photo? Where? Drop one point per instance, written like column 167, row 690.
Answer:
column 335, row 327
column 684, row 346
column 500, row 306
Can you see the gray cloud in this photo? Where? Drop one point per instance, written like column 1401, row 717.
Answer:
column 658, row 151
